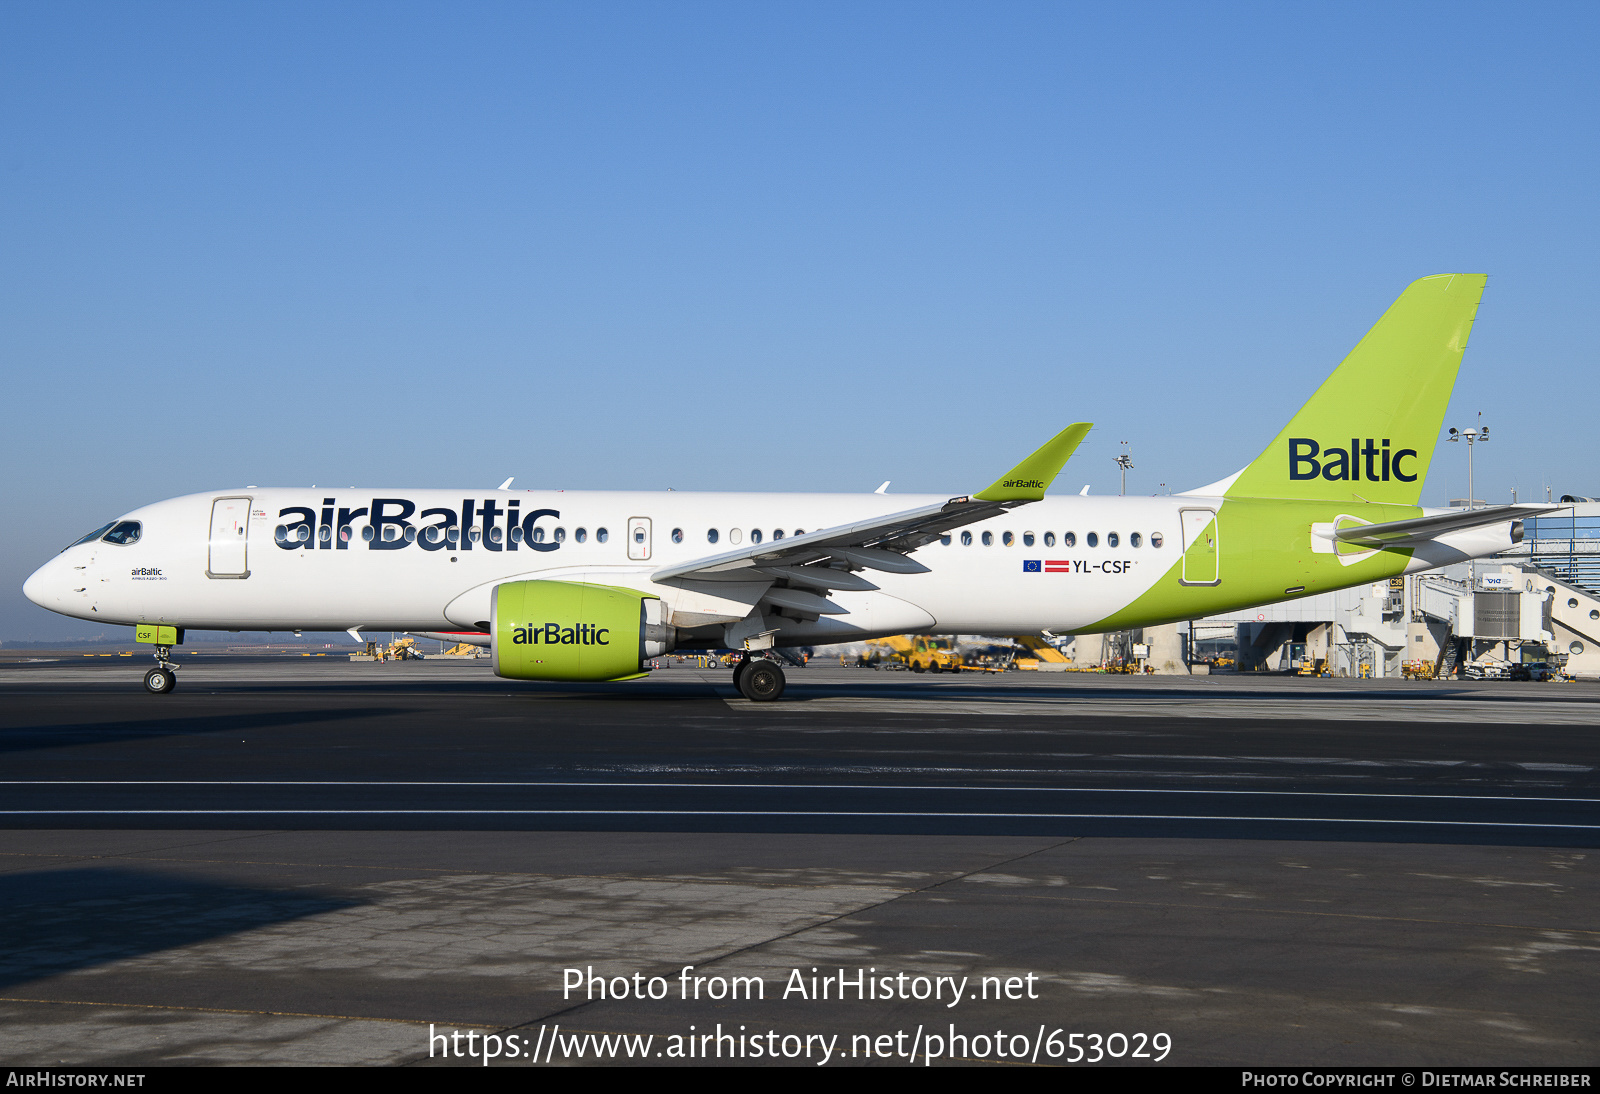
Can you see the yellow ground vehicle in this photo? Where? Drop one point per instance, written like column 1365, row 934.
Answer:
column 1040, row 655
column 404, row 650
column 921, row 653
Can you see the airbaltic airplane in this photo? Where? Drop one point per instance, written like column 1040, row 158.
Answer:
column 590, row 586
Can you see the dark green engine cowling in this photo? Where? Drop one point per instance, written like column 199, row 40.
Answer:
column 572, row 630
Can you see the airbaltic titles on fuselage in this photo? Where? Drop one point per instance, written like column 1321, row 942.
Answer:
column 390, row 528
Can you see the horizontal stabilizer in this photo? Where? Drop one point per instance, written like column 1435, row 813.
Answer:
column 1404, row 533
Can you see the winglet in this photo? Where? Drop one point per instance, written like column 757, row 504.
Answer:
column 1032, row 477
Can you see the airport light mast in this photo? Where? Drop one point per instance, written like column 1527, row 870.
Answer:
column 1472, row 436
column 1124, row 463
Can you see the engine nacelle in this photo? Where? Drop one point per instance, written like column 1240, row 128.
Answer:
column 572, row 630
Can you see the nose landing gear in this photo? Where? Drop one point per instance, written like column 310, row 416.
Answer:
column 164, row 677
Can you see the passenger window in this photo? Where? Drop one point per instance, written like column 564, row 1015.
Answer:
column 1092, row 539
column 1111, row 539
column 777, row 534
column 945, row 539
column 367, row 533
column 1027, row 539
column 1006, row 539
column 1135, row 539
column 1155, row 539
column 538, row 535
column 734, row 535
column 988, row 539
column 411, row 534
column 581, row 535
column 494, row 534
column 966, row 539
column 123, row 533
column 561, row 535
column 1050, row 539
column 799, row 531
column 325, row 534
column 516, row 534
column 677, row 535
column 755, row 535
column 1069, row 539
column 711, row 536
column 601, row 535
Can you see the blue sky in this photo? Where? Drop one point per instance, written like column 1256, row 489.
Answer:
column 763, row 246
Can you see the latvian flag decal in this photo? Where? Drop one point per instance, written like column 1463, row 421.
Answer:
column 1048, row 566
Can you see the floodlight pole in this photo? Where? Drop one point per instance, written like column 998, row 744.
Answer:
column 1124, row 463
column 1472, row 436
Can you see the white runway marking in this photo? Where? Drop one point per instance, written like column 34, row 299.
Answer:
column 754, row 813
column 876, row 787
column 1530, row 712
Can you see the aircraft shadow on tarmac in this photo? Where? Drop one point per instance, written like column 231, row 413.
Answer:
column 59, row 921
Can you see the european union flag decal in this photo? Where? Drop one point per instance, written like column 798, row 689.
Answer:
column 1032, row 566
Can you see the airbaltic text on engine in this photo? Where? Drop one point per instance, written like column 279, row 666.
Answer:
column 554, row 634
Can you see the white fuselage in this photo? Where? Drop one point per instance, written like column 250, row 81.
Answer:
column 352, row 570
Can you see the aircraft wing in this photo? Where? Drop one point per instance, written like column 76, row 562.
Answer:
column 1404, row 533
column 824, row 559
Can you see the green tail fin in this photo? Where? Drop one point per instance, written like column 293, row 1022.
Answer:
column 1386, row 400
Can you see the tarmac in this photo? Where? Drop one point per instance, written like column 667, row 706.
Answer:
column 307, row 860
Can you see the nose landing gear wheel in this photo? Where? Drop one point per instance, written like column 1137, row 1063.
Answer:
column 761, row 682
column 160, row 681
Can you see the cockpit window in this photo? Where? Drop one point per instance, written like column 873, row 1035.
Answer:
column 96, row 534
column 123, row 533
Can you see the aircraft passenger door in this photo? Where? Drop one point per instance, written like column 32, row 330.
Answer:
column 230, row 525
column 639, row 538
column 1201, row 549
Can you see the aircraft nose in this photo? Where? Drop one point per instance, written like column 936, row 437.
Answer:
column 43, row 586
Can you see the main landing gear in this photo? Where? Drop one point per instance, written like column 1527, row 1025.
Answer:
column 164, row 677
column 759, row 680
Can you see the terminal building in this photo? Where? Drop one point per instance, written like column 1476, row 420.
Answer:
column 1539, row 601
